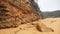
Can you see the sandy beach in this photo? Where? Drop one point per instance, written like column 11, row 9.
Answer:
column 53, row 23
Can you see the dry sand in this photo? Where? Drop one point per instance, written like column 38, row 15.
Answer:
column 53, row 23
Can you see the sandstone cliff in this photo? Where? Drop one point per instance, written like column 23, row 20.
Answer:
column 16, row 12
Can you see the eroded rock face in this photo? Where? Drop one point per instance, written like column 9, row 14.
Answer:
column 16, row 12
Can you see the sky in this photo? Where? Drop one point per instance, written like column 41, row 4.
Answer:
column 49, row 5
